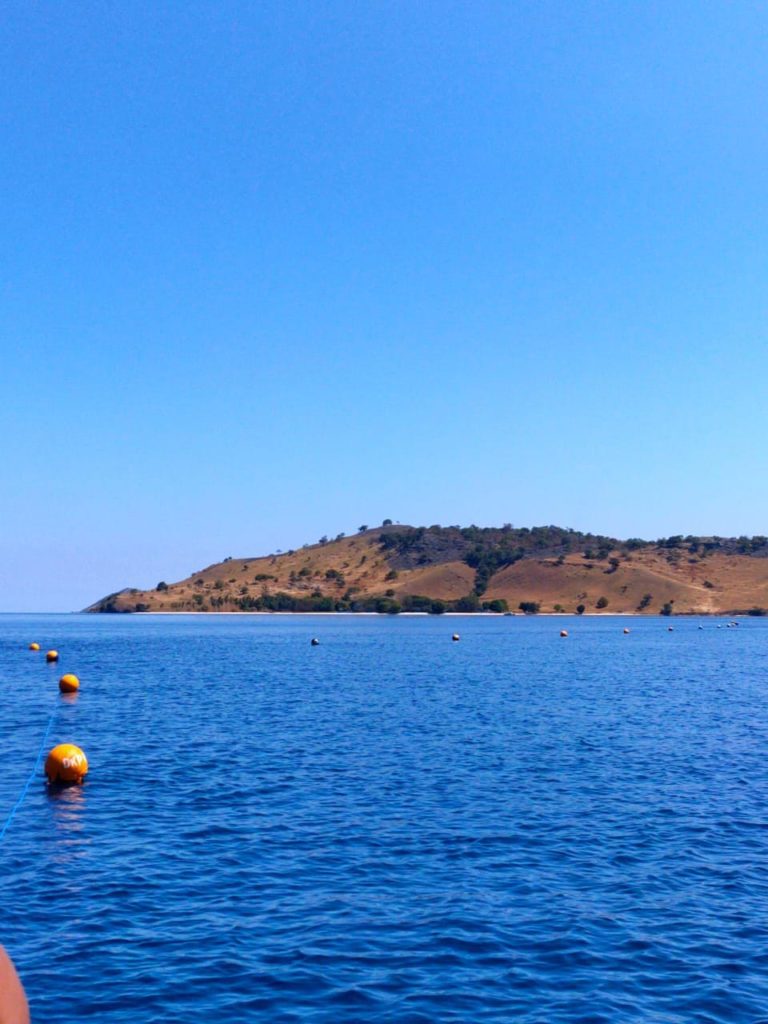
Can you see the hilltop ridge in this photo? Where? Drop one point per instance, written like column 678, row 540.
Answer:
column 435, row 569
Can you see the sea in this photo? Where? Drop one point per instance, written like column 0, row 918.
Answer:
column 388, row 826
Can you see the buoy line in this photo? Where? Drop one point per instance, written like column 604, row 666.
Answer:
column 17, row 806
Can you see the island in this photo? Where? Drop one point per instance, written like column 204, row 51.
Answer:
column 436, row 569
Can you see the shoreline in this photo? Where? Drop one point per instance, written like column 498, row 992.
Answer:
column 442, row 615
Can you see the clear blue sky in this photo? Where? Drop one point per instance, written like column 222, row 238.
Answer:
column 273, row 270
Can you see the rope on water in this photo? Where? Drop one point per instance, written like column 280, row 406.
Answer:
column 32, row 775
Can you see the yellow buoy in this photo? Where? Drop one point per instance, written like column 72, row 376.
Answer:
column 34, row 647
column 563, row 632
column 52, row 656
column 69, row 683
column 66, row 763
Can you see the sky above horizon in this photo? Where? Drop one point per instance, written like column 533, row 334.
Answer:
column 276, row 270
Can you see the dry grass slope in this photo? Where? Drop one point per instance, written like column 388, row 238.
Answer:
column 355, row 569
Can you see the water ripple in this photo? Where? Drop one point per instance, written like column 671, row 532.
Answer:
column 390, row 827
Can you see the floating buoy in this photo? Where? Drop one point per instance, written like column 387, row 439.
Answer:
column 52, row 656
column 625, row 630
column 455, row 637
column 66, row 763
column 314, row 641
column 563, row 632
column 69, row 683
column 670, row 628
column 34, row 647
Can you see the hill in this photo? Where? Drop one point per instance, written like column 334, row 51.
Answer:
column 436, row 569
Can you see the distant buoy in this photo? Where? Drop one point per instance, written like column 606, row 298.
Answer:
column 455, row 637
column 52, row 656
column 34, row 647
column 670, row 628
column 314, row 641
column 69, row 683
column 625, row 630
column 563, row 632
column 66, row 763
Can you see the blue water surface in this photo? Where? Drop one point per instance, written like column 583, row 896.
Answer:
column 389, row 826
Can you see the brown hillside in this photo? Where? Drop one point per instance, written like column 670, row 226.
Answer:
column 737, row 582
column 447, row 582
column 357, row 563
column 395, row 564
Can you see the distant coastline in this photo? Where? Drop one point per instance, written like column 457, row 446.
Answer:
column 549, row 570
column 459, row 615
